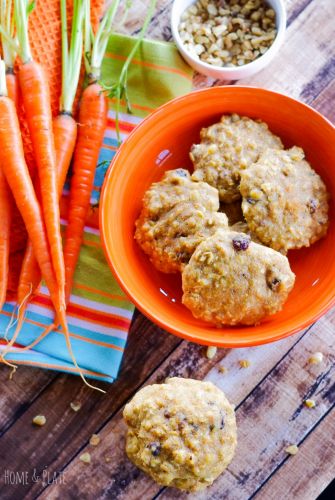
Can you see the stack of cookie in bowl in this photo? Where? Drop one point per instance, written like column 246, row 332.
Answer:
column 228, row 226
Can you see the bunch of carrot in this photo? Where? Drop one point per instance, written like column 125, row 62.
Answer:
column 55, row 144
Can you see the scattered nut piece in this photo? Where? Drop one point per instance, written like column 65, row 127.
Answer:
column 39, row 420
column 229, row 32
column 222, row 369
column 292, row 449
column 86, row 458
column 310, row 403
column 244, row 363
column 316, row 358
column 94, row 440
column 211, row 351
column 75, row 406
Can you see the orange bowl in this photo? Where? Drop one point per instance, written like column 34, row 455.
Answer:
column 162, row 142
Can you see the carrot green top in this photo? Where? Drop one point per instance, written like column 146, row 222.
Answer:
column 95, row 45
column 71, row 53
column 22, row 9
column 9, row 46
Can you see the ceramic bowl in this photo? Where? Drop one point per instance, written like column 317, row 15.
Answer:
column 227, row 73
column 162, row 142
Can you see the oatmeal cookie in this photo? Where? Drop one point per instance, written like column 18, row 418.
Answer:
column 182, row 433
column 231, row 280
column 285, row 202
column 176, row 186
column 171, row 240
column 226, row 149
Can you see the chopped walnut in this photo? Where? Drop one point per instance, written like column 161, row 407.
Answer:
column 211, row 352
column 94, row 440
column 39, row 420
column 244, row 363
column 86, row 458
column 228, row 34
column 292, row 449
column 316, row 358
column 75, row 406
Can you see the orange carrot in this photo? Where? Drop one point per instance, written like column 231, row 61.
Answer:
column 65, row 133
column 36, row 100
column 6, row 201
column 13, row 164
column 93, row 120
column 5, row 218
column 12, row 87
column 16, row 171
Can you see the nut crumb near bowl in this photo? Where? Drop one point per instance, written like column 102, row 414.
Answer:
column 211, row 352
column 228, row 32
column 85, row 458
column 95, row 440
column 292, row 449
column 39, row 420
column 316, row 358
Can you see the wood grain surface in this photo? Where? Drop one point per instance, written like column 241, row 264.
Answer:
column 268, row 395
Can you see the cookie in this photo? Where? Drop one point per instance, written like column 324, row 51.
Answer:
column 231, row 280
column 177, row 186
column 171, row 240
column 182, row 433
column 285, row 202
column 226, row 149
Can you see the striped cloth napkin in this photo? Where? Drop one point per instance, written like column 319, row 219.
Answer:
column 99, row 313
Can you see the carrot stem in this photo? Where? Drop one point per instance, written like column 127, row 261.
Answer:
column 9, row 46
column 100, row 40
column 71, row 55
column 21, row 13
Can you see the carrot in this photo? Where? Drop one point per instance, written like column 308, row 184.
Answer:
column 15, row 169
column 36, row 100
column 93, row 120
column 65, row 134
column 6, row 200
column 12, row 87
column 5, row 218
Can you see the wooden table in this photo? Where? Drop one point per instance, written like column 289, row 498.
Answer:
column 268, row 395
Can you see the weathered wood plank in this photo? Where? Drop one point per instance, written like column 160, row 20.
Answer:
column 27, row 448
column 274, row 416
column 120, row 479
column 300, row 477
column 324, row 103
column 18, row 393
column 189, row 360
column 304, row 56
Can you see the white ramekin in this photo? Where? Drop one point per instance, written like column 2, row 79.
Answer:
column 229, row 73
